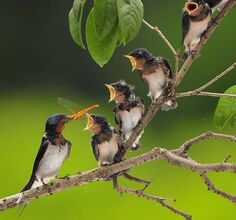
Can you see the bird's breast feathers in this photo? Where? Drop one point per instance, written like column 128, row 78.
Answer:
column 52, row 160
column 130, row 118
column 108, row 149
column 196, row 29
column 156, row 82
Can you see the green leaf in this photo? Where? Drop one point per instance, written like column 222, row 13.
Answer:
column 105, row 15
column 226, row 110
column 78, row 6
column 130, row 13
column 75, row 22
column 101, row 50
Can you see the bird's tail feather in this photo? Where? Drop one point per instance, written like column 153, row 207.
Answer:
column 21, row 209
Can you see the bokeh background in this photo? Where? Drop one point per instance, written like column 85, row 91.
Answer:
column 39, row 62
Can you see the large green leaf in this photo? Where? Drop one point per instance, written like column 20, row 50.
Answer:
column 105, row 15
column 130, row 14
column 75, row 22
column 101, row 50
column 226, row 110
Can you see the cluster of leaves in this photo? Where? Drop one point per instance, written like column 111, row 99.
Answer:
column 110, row 23
column 226, row 110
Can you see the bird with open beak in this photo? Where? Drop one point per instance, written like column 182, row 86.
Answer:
column 155, row 72
column 106, row 140
column 54, row 149
column 197, row 16
column 216, row 4
column 128, row 111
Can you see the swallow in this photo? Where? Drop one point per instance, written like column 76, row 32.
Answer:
column 129, row 109
column 197, row 17
column 53, row 151
column 106, row 140
column 155, row 72
column 216, row 4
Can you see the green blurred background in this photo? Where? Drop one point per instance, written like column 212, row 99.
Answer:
column 40, row 62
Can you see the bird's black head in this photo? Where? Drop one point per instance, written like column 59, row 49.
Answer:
column 139, row 58
column 96, row 123
column 120, row 91
column 197, row 9
column 56, row 123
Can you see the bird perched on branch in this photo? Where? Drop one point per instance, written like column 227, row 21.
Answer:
column 129, row 109
column 106, row 141
column 54, row 149
column 155, row 72
column 216, row 4
column 197, row 16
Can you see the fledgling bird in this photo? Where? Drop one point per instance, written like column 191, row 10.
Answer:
column 129, row 109
column 54, row 150
column 155, row 72
column 197, row 16
column 216, row 4
column 106, row 141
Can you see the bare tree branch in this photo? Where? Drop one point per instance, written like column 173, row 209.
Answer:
column 208, row 135
column 160, row 200
column 212, row 188
column 158, row 32
column 207, row 35
column 216, row 78
column 210, row 94
column 175, row 157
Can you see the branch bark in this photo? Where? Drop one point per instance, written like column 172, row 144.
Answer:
column 175, row 157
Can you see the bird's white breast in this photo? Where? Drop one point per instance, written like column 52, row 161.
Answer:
column 108, row 149
column 51, row 162
column 130, row 118
column 156, row 82
column 195, row 32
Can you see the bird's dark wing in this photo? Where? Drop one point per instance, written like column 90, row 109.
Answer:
column 185, row 25
column 95, row 148
column 117, row 117
column 164, row 63
column 120, row 142
column 69, row 149
column 40, row 154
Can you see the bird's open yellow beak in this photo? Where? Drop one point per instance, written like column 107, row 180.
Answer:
column 90, row 122
column 112, row 92
column 81, row 113
column 190, row 7
column 132, row 61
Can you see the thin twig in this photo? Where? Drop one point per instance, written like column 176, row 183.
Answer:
column 216, row 78
column 136, row 179
column 210, row 94
column 208, row 135
column 160, row 200
column 207, row 35
column 157, row 31
column 219, row 192
column 167, row 42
